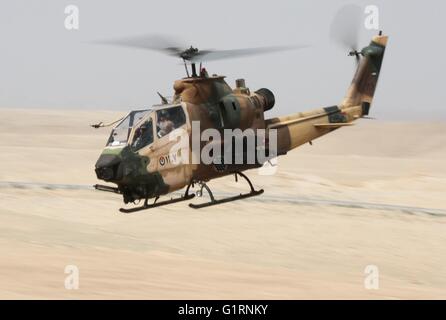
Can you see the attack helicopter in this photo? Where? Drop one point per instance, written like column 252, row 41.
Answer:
column 141, row 154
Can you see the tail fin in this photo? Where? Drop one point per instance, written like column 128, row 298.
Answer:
column 362, row 88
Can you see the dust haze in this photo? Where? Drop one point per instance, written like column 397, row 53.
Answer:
column 256, row 249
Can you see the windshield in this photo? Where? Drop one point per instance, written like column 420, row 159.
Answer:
column 121, row 132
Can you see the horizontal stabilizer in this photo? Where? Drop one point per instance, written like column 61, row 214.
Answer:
column 333, row 125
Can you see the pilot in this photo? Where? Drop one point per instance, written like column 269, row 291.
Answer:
column 143, row 136
column 165, row 124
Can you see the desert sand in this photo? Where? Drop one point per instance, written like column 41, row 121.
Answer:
column 256, row 248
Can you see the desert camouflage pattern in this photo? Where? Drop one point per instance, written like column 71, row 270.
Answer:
column 300, row 128
column 151, row 171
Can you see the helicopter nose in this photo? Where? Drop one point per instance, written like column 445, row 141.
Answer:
column 107, row 167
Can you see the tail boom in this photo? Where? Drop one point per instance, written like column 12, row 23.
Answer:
column 303, row 127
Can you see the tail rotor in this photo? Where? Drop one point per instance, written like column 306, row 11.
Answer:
column 345, row 29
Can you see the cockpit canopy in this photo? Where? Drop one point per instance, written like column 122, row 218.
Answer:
column 121, row 132
column 155, row 122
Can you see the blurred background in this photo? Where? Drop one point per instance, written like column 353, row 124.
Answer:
column 44, row 65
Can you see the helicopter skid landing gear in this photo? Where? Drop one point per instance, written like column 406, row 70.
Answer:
column 155, row 204
column 214, row 201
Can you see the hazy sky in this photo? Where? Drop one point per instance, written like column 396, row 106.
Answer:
column 44, row 65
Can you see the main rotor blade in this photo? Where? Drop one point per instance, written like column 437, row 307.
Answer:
column 177, row 48
column 161, row 43
column 211, row 55
column 346, row 25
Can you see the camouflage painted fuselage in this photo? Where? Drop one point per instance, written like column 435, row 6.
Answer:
column 151, row 171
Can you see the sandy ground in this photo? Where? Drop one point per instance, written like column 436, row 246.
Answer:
column 253, row 248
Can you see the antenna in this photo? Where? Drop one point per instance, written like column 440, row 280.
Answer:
column 185, row 67
column 194, row 70
column 163, row 98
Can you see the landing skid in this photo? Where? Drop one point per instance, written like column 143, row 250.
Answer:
column 187, row 196
column 214, row 201
column 155, row 204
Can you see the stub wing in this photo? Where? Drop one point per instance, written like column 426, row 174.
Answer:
column 332, row 125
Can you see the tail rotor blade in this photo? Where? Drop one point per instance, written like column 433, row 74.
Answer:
column 344, row 29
